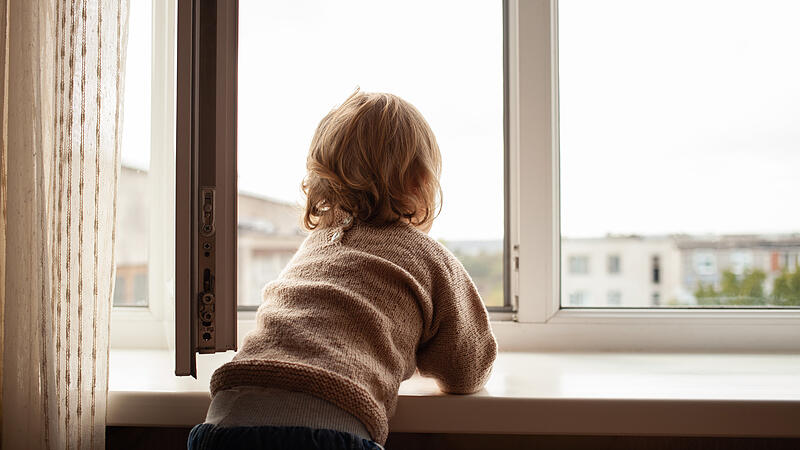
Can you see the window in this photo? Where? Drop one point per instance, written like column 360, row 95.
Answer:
column 131, row 286
column 144, row 247
column 131, row 253
column 120, row 291
column 578, row 298
column 740, row 261
column 789, row 260
column 654, row 145
column 579, row 265
column 575, row 190
column 705, row 263
column 459, row 91
column 140, row 288
column 613, row 264
column 640, row 198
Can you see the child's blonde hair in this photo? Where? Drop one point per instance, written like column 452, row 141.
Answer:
column 376, row 158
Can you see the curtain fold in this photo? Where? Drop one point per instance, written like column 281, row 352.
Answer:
column 64, row 68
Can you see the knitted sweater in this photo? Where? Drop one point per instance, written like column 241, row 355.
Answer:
column 355, row 312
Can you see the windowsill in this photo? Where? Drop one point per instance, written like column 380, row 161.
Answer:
column 529, row 393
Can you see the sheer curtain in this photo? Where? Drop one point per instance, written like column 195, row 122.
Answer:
column 62, row 76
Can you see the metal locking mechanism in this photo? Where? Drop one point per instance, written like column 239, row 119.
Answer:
column 206, row 251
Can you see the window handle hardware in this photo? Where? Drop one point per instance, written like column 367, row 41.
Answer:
column 515, row 280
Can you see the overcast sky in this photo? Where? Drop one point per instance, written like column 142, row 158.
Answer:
column 679, row 116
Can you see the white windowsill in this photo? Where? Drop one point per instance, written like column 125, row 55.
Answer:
column 529, row 393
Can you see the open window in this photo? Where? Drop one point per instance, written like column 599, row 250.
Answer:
column 247, row 52
column 522, row 223
column 298, row 60
column 205, row 194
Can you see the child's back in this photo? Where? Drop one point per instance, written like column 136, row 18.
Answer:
column 362, row 304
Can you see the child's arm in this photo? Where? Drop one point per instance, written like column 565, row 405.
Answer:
column 462, row 349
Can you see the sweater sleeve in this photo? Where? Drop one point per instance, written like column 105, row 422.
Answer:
column 460, row 348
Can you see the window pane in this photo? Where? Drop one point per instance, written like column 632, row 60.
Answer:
column 120, row 291
column 133, row 218
column 679, row 149
column 140, row 288
column 298, row 60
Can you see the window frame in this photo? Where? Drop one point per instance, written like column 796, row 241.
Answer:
column 540, row 322
column 151, row 326
column 533, row 319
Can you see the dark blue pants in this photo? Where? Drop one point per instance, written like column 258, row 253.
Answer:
column 206, row 436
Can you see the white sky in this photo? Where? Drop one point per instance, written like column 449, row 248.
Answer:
column 136, row 106
column 680, row 116
column 299, row 59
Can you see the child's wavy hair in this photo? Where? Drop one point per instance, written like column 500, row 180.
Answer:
column 376, row 158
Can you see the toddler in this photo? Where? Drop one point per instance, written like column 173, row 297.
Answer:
column 367, row 299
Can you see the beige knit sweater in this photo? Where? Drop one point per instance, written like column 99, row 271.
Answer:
column 357, row 309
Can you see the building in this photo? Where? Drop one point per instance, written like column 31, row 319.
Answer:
column 705, row 258
column 269, row 234
column 634, row 271
column 610, row 271
column 131, row 246
column 650, row 271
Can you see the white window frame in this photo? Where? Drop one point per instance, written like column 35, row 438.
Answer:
column 540, row 322
column 151, row 327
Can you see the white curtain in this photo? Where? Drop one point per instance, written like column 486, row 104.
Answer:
column 62, row 77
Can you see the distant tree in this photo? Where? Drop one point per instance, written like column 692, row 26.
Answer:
column 786, row 288
column 486, row 270
column 705, row 291
column 730, row 284
column 751, row 284
column 745, row 291
column 495, row 296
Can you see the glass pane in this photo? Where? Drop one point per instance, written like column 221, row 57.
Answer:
column 120, row 291
column 140, row 288
column 131, row 247
column 298, row 60
column 679, row 153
